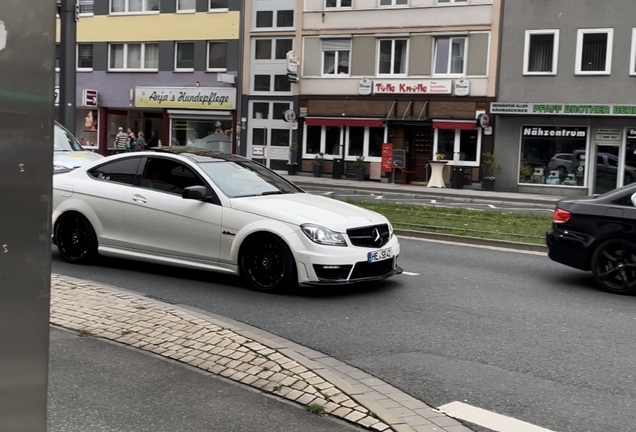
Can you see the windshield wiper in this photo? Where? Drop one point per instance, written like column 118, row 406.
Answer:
column 278, row 192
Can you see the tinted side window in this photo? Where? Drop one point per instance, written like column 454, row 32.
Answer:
column 121, row 171
column 169, row 176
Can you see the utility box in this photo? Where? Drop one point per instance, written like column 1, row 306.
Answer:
column 457, row 177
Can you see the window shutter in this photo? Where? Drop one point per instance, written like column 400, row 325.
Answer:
column 336, row 44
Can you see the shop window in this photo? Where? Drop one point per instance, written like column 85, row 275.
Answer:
column 211, row 134
column 459, row 146
column 335, row 57
column 280, row 137
column 450, row 55
column 134, row 6
column 86, row 127
column 217, row 56
column 338, row 3
column 334, row 141
column 630, row 157
column 313, row 139
column 451, row 1
column 392, row 56
column 219, row 5
column 394, row 2
column 184, row 56
column 594, row 51
column 553, row 155
column 84, row 57
column 376, row 138
column 134, row 56
column 541, row 52
column 186, row 5
column 355, row 143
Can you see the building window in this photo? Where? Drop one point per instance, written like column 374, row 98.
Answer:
column 272, row 49
column 285, row 18
column 594, row 51
column 134, row 56
column 57, row 57
column 394, row 2
column 450, row 53
column 217, row 56
column 219, row 5
column 337, row 3
column 186, row 5
column 85, row 57
column 353, row 141
column 632, row 63
column 265, row 19
column 460, row 146
column 451, row 1
column 541, row 52
column 86, row 7
column 184, row 56
column 392, row 58
column 134, row 6
column 335, row 57
column 553, row 155
column 281, row 83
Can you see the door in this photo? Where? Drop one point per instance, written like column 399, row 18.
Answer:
column 162, row 222
column 606, row 172
column 420, row 152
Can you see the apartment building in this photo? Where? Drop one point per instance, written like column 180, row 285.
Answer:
column 162, row 66
column 565, row 115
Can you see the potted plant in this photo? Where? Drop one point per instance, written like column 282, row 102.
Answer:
column 318, row 162
column 292, row 164
column 489, row 165
column 360, row 171
column 440, row 157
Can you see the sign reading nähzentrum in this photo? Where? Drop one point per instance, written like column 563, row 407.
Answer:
column 512, row 108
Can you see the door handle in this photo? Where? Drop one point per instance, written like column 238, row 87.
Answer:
column 139, row 198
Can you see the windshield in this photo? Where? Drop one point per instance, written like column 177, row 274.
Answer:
column 243, row 179
column 65, row 141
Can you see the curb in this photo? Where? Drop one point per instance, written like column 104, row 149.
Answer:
column 242, row 353
column 472, row 240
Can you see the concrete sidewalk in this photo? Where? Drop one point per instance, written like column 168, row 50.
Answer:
column 241, row 353
column 325, row 183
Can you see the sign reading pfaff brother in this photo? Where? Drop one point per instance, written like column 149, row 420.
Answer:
column 218, row 98
column 562, row 109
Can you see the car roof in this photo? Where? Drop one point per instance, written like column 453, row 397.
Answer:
column 197, row 154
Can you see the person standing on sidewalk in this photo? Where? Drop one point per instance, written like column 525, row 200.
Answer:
column 120, row 141
column 141, row 142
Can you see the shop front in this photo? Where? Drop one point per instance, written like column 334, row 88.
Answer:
column 565, row 149
column 421, row 118
column 196, row 116
column 86, row 118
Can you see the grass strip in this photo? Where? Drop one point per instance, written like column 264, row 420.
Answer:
column 516, row 227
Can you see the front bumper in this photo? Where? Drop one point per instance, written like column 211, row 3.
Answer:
column 340, row 282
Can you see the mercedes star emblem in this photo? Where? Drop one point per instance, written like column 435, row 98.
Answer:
column 377, row 238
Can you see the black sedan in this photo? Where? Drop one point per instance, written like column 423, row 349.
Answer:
column 598, row 234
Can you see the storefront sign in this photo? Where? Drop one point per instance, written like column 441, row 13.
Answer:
column 89, row 98
column 289, row 116
column 554, row 132
column 412, row 87
column 483, row 121
column 365, row 87
column 462, row 87
column 631, row 134
column 258, row 151
column 387, row 157
column 211, row 98
column 57, row 96
column 292, row 62
column 608, row 134
column 562, row 109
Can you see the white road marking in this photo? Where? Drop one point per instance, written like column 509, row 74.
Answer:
column 433, row 201
column 328, row 193
column 378, row 197
column 487, row 419
column 491, row 206
column 474, row 246
column 410, row 273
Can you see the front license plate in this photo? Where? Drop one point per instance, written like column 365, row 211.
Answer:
column 380, row 255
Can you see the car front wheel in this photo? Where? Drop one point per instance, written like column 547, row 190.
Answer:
column 75, row 238
column 266, row 263
column 614, row 266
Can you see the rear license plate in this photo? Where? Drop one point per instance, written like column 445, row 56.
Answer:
column 380, row 255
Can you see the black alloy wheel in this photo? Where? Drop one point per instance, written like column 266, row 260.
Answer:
column 75, row 238
column 267, row 263
column 614, row 266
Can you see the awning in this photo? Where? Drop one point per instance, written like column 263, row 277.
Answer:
column 455, row 124
column 343, row 121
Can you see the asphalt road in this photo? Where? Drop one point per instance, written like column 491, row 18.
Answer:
column 508, row 332
column 100, row 386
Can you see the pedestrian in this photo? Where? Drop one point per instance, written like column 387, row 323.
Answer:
column 121, row 141
column 153, row 141
column 141, row 142
column 132, row 140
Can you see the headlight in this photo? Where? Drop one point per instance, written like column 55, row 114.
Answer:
column 390, row 230
column 323, row 236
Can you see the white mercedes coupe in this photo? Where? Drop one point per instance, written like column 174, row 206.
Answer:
column 201, row 209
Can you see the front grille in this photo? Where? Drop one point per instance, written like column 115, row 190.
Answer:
column 365, row 269
column 332, row 272
column 367, row 236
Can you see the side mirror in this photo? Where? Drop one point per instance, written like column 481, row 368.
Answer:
column 199, row 193
column 634, row 199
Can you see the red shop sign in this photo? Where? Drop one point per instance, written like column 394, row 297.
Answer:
column 387, row 157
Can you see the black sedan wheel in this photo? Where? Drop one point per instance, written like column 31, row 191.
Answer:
column 267, row 263
column 614, row 266
column 75, row 238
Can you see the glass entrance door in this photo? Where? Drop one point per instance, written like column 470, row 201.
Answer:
column 605, row 173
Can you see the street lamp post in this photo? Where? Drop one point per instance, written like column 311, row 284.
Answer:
column 69, row 15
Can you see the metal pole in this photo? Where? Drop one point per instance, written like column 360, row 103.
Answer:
column 27, row 84
column 242, row 147
column 68, row 43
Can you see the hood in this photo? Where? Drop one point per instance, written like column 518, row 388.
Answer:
column 302, row 208
column 74, row 159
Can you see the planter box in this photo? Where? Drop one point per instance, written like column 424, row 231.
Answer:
column 488, row 185
column 292, row 169
column 317, row 170
column 360, row 172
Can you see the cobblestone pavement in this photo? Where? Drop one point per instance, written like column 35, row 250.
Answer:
column 241, row 353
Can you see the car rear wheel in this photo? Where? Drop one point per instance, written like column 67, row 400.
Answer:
column 75, row 238
column 614, row 266
column 267, row 264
